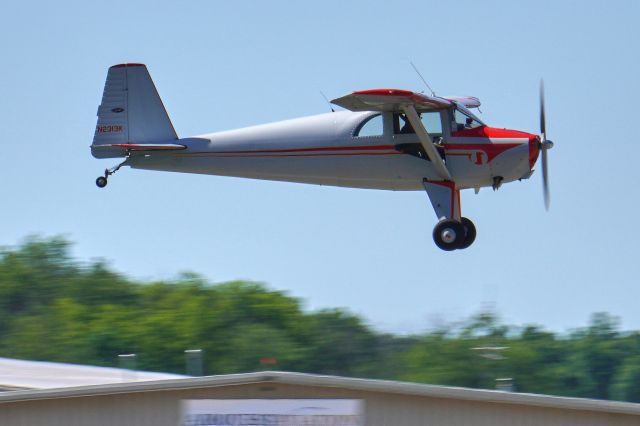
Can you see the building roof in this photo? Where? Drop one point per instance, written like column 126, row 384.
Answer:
column 21, row 374
column 301, row 379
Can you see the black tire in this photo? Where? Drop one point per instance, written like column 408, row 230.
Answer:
column 470, row 233
column 101, row 182
column 448, row 228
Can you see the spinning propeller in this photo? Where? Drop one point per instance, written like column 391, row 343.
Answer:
column 545, row 145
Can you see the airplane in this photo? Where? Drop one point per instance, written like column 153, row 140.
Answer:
column 389, row 139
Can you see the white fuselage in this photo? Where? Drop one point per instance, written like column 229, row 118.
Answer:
column 324, row 150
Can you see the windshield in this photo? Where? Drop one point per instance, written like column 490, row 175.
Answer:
column 465, row 119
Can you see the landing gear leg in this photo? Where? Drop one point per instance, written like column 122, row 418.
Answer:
column 452, row 231
column 102, row 181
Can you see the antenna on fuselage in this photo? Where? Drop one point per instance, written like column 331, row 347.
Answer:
column 327, row 99
column 422, row 78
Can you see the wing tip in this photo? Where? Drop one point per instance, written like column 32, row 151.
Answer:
column 384, row 92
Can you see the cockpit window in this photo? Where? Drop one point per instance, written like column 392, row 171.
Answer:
column 372, row 126
column 464, row 119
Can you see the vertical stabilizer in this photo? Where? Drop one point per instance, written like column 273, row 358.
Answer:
column 131, row 111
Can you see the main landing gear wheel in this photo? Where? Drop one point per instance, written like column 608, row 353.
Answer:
column 449, row 234
column 469, row 231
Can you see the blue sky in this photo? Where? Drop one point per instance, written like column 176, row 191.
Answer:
column 223, row 65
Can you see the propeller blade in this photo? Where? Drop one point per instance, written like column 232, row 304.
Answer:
column 545, row 179
column 543, row 126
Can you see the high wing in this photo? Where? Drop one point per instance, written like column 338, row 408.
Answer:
column 407, row 102
column 390, row 100
column 394, row 99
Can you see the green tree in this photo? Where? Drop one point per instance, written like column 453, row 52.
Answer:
column 626, row 386
column 252, row 343
column 339, row 343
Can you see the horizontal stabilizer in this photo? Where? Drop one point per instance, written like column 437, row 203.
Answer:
column 143, row 146
column 114, row 150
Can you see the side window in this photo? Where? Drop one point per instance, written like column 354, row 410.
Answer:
column 433, row 124
column 430, row 120
column 372, row 126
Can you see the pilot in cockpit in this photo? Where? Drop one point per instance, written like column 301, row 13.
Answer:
column 406, row 127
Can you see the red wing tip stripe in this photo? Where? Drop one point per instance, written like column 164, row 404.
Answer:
column 128, row 65
column 384, row 92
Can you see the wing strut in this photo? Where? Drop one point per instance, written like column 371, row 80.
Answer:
column 426, row 142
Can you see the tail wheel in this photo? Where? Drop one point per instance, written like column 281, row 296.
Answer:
column 101, row 182
column 469, row 231
column 449, row 234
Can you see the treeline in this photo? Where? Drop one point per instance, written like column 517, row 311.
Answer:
column 54, row 308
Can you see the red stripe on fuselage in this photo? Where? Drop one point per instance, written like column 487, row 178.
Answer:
column 534, row 151
column 494, row 149
column 491, row 149
column 341, row 150
column 257, row 154
column 328, row 148
column 491, row 133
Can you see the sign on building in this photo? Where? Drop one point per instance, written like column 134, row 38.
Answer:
column 272, row 412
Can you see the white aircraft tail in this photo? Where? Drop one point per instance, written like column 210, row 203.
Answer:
column 131, row 112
